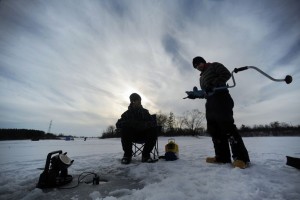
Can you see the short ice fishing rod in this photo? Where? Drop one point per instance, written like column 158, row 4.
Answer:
column 200, row 94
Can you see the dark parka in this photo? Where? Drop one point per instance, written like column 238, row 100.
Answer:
column 137, row 124
column 138, row 118
column 219, row 114
column 215, row 75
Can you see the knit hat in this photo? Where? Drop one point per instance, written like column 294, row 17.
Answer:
column 134, row 97
column 197, row 60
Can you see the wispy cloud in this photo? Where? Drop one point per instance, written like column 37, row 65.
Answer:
column 77, row 62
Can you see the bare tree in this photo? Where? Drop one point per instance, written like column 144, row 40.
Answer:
column 111, row 129
column 162, row 119
column 193, row 119
column 179, row 122
column 110, row 132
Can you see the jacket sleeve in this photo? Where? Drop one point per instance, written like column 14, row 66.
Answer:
column 141, row 121
column 128, row 122
column 150, row 120
column 121, row 123
column 222, row 75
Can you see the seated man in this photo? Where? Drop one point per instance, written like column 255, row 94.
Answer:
column 137, row 124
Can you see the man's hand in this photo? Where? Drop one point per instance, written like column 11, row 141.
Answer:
column 191, row 96
column 200, row 94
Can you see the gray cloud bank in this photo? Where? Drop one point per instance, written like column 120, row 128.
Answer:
column 76, row 62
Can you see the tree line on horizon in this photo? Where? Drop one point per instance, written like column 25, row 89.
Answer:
column 23, row 134
column 191, row 123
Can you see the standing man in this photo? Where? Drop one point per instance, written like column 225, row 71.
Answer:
column 136, row 124
column 219, row 115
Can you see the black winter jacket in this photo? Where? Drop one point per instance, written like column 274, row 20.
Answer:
column 215, row 75
column 136, row 118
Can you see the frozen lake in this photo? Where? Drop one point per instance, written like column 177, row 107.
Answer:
column 190, row 177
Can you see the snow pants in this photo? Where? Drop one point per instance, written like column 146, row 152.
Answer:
column 221, row 127
column 130, row 135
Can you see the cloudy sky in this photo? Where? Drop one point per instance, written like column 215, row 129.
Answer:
column 76, row 62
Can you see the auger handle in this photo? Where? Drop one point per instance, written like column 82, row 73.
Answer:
column 236, row 70
column 288, row 79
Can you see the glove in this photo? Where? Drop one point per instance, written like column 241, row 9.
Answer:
column 191, row 96
column 200, row 94
column 195, row 95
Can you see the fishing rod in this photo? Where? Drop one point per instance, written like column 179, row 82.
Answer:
column 203, row 94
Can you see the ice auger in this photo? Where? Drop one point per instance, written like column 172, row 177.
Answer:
column 201, row 94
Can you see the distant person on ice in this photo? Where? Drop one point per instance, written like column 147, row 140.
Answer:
column 219, row 115
column 137, row 124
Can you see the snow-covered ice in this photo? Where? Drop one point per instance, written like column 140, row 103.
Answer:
column 190, row 177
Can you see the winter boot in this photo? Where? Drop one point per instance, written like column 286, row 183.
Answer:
column 211, row 160
column 126, row 160
column 147, row 159
column 240, row 164
column 214, row 160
